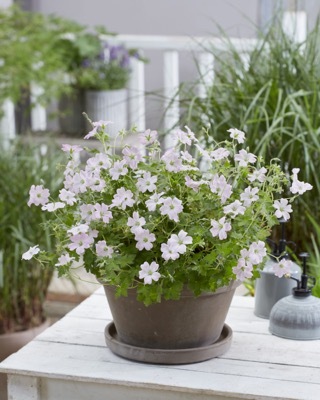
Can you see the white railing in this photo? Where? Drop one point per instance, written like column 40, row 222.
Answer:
column 171, row 47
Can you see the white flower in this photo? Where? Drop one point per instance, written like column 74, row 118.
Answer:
column 245, row 158
column 220, row 154
column 249, row 196
column 144, row 239
column 239, row 136
column 219, row 185
column 171, row 207
column 220, row 228
column 258, row 175
column 186, row 156
column 234, row 209
column 154, row 200
column 148, row 137
column 123, row 198
column 67, row 197
column 180, row 241
column 97, row 127
column 38, row 195
column 242, row 270
column 149, row 272
column 194, row 185
column 147, row 183
column 101, row 211
column 172, row 161
column 257, row 251
column 119, row 168
column 31, row 252
column 103, row 250
column 132, row 156
column 87, row 212
column 135, row 222
column 283, row 208
column 99, row 161
column 53, row 206
column 283, row 267
column 170, row 251
column 81, row 228
column 298, row 186
column 64, row 260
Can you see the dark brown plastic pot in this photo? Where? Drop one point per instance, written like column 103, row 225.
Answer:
column 190, row 322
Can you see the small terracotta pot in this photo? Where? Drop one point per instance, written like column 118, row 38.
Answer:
column 190, row 322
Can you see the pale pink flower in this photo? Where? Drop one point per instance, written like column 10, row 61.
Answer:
column 194, row 185
column 68, row 148
column 99, row 161
column 186, row 156
column 249, row 196
column 97, row 127
column 87, row 212
column 220, row 154
column 172, row 161
column 219, row 185
column 182, row 137
column 220, row 228
column 149, row 272
column 103, row 250
column 257, row 251
column 81, row 228
column 258, row 175
column 38, row 195
column 239, row 136
column 245, row 158
column 283, row 267
column 94, row 182
column 76, row 183
column 135, row 222
column 148, row 137
column 30, row 253
column 67, row 197
column 119, row 168
column 147, row 183
column 64, row 259
column 242, row 270
column 101, row 211
column 171, row 207
column 123, row 199
column 170, row 251
column 154, row 200
column 180, row 241
column 144, row 239
column 51, row 207
column 234, row 209
column 283, row 208
column 80, row 243
column 132, row 156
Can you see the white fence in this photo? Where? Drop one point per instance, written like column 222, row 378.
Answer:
column 294, row 24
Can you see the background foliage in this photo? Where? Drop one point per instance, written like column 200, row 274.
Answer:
column 23, row 285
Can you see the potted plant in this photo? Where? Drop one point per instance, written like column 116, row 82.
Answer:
column 158, row 228
column 99, row 73
column 22, row 286
column 29, row 56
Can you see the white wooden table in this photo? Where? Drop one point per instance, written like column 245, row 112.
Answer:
column 70, row 361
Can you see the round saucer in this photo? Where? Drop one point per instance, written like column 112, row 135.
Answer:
column 168, row 356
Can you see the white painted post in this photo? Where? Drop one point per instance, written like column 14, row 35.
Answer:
column 171, row 98
column 294, row 24
column 206, row 72
column 23, row 387
column 136, row 86
column 38, row 112
column 7, row 123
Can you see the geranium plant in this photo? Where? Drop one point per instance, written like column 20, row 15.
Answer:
column 191, row 216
